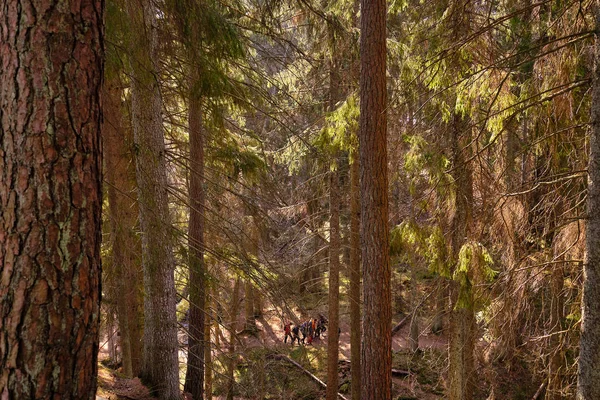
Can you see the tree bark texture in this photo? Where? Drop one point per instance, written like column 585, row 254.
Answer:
column 50, row 197
column 160, row 367
column 123, row 214
column 376, row 336
column 588, row 380
column 354, row 292
column 194, row 378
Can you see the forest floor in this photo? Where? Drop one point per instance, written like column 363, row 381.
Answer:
column 422, row 380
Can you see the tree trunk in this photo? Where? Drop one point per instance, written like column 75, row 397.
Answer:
column 462, row 320
column 355, row 322
column 50, row 197
column 161, row 366
column 251, row 248
column 555, row 386
column 208, row 366
column 233, row 314
column 334, row 232
column 334, row 287
column 249, row 305
column 413, row 337
column 441, row 305
column 588, row 380
column 376, row 338
column 123, row 211
column 194, row 377
column 354, row 267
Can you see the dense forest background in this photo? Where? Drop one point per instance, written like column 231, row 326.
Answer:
column 419, row 175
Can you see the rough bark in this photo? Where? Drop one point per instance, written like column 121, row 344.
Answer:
column 194, row 378
column 160, row 366
column 588, row 380
column 123, row 213
column 354, row 294
column 50, row 197
column 376, row 336
column 354, row 266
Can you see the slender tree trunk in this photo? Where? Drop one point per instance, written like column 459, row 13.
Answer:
column 413, row 337
column 334, row 233
column 440, row 305
column 376, row 362
column 161, row 366
column 234, row 310
column 50, row 197
column 462, row 320
column 258, row 303
column 249, row 305
column 588, row 380
column 334, row 287
column 208, row 366
column 123, row 214
column 555, row 386
column 194, row 378
column 355, row 322
column 354, row 267
column 251, row 249
column 111, row 330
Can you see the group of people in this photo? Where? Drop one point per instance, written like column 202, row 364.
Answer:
column 306, row 331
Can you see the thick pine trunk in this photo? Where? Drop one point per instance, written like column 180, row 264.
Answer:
column 160, row 366
column 588, row 382
column 194, row 378
column 50, row 197
column 376, row 336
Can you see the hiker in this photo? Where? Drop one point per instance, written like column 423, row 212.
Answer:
column 321, row 326
column 287, row 328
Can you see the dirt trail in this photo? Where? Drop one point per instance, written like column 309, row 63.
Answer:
column 271, row 333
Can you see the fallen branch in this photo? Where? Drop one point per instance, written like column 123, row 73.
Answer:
column 400, row 372
column 401, row 324
column 396, row 372
column 306, row 372
column 539, row 391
